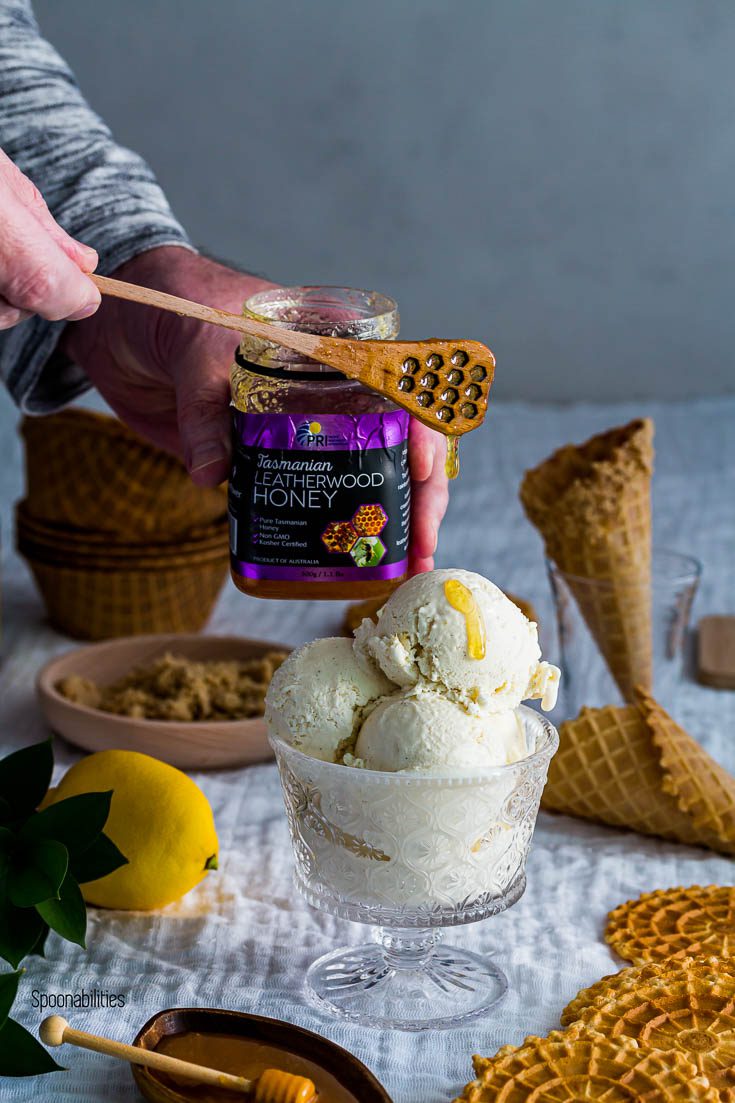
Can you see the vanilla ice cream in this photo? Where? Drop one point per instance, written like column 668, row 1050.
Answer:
column 432, row 687
column 426, row 702
column 317, row 698
column 420, row 638
column 419, row 730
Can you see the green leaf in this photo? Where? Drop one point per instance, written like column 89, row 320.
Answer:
column 7, row 849
column 101, row 858
column 67, row 915
column 36, row 872
column 39, row 946
column 20, row 931
column 25, row 776
column 8, row 988
column 76, row 822
column 21, row 1054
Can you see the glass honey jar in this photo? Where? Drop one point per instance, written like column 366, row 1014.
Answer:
column 319, row 493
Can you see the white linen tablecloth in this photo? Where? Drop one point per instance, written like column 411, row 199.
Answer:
column 244, row 939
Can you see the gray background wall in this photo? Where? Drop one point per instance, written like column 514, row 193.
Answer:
column 553, row 176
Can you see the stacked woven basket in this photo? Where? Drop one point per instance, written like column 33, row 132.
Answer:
column 118, row 538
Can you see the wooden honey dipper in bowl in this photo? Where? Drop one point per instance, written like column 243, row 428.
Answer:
column 444, row 384
column 272, row 1086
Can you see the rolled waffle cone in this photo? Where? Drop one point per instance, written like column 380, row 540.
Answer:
column 88, row 470
column 702, row 788
column 570, row 1066
column 102, row 604
column 657, row 973
column 592, row 505
column 632, row 766
column 674, row 923
column 690, row 1015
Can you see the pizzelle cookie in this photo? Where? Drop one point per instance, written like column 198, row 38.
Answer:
column 661, row 972
column 569, row 1065
column 674, row 923
column 689, row 1015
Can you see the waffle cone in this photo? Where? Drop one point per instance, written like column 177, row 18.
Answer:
column 702, row 789
column 101, row 561
column 57, row 544
column 574, row 1066
column 592, row 505
column 637, row 976
column 101, row 604
column 674, row 923
column 88, row 470
column 632, row 766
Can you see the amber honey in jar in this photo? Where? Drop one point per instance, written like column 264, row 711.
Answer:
column 319, row 494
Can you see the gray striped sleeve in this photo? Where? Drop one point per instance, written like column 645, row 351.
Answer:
column 101, row 193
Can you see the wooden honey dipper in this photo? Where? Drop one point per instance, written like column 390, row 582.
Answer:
column 272, row 1086
column 444, row 384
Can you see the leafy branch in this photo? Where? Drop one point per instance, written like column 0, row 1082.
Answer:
column 44, row 857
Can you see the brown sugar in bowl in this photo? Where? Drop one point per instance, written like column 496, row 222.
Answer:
column 190, row 745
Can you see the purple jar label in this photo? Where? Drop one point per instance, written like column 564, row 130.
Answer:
column 320, row 497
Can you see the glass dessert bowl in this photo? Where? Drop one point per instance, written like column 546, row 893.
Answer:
column 410, row 853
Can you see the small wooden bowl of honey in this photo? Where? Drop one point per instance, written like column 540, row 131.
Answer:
column 246, row 1045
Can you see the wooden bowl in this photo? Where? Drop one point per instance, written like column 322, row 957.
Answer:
column 352, row 1076
column 189, row 745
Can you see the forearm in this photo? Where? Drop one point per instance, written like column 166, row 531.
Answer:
column 99, row 192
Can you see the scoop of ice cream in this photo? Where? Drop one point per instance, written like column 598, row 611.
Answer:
column 421, row 638
column 419, row 730
column 317, row 696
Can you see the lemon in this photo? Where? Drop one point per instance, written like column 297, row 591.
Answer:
column 160, row 820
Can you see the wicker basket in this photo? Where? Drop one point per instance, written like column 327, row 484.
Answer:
column 89, row 471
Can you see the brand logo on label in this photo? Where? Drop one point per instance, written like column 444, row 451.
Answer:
column 310, row 434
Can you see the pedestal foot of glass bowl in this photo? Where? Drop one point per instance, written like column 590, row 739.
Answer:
column 405, row 980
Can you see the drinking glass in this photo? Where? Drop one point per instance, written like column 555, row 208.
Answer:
column 410, row 853
column 660, row 632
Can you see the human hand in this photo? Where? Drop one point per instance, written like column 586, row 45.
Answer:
column 427, row 452
column 168, row 378
column 42, row 269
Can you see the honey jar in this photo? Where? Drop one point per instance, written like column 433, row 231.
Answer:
column 319, row 493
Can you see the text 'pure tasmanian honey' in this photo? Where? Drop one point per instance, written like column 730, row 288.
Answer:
column 462, row 599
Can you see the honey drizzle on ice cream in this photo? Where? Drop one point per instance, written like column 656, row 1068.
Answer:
column 462, row 599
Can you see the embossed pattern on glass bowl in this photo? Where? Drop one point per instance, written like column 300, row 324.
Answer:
column 412, row 852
